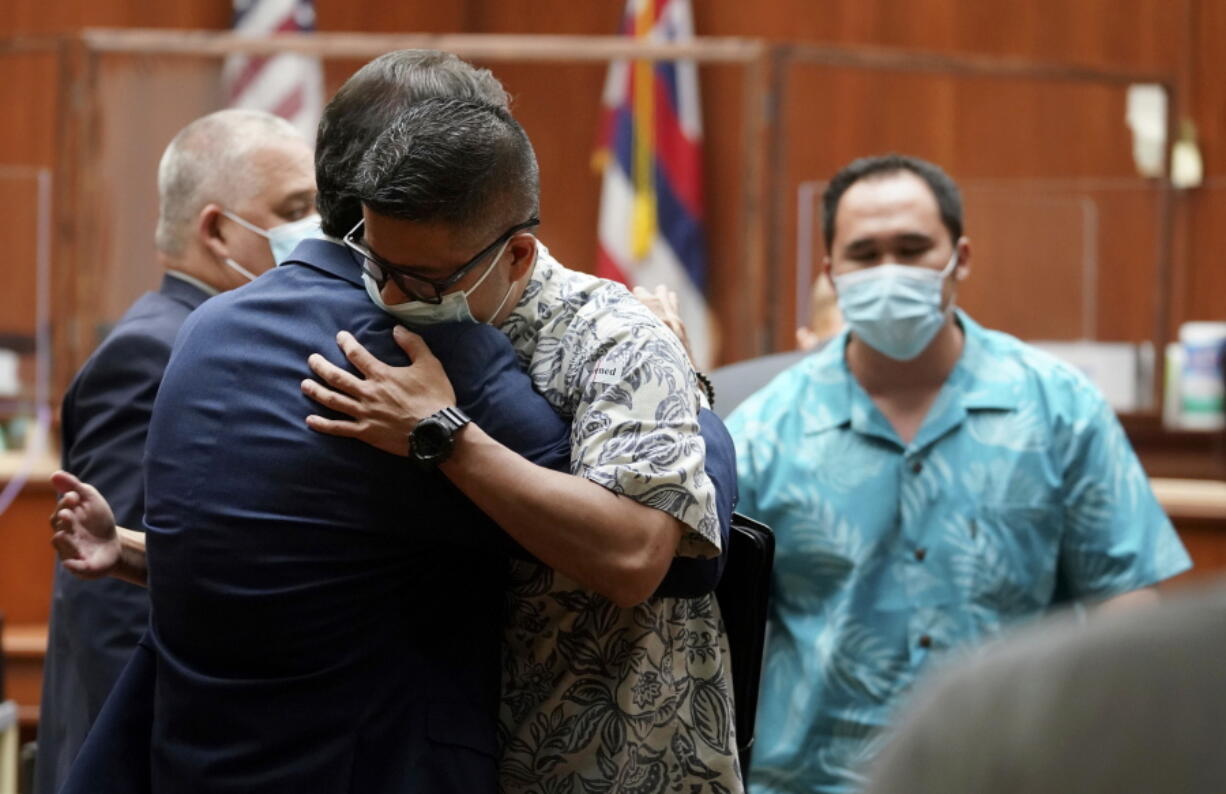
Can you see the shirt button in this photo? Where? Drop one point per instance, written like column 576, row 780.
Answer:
column 917, row 467
column 920, row 554
column 925, row 641
column 974, row 528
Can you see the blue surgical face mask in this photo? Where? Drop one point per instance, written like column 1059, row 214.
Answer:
column 452, row 309
column 282, row 239
column 894, row 309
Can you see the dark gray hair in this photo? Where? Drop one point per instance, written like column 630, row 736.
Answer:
column 366, row 105
column 944, row 190
column 464, row 163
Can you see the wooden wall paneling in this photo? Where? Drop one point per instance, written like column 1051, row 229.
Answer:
column 144, row 100
column 731, row 292
column 60, row 16
column 70, row 270
column 345, row 15
column 759, row 194
column 1007, row 126
column 27, row 81
column 81, row 266
column 559, row 107
column 1090, row 32
column 1204, row 208
column 1204, row 540
column 1205, row 289
column 18, row 239
column 594, row 17
column 28, row 561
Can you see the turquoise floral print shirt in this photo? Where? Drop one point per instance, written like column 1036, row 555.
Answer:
column 1020, row 491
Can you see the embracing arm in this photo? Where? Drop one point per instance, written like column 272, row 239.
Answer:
column 608, row 543
column 86, row 538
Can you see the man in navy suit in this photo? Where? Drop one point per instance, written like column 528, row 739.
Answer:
column 325, row 615
column 223, row 181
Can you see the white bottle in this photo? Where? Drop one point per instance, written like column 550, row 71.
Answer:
column 1200, row 385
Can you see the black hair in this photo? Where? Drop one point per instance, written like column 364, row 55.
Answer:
column 365, row 106
column 452, row 160
column 949, row 199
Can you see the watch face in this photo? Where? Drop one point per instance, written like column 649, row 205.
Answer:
column 431, row 438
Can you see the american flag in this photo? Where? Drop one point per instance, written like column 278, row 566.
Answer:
column 650, row 152
column 291, row 86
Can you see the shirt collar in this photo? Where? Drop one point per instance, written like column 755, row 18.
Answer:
column 982, row 376
column 533, row 309
column 977, row 382
column 207, row 289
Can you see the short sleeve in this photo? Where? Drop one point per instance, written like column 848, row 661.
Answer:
column 1116, row 536
column 635, row 429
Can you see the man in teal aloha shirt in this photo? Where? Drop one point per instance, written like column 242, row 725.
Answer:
column 929, row 481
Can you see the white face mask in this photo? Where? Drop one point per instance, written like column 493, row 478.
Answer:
column 453, row 308
column 282, row 239
column 894, row 309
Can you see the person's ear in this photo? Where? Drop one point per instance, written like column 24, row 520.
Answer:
column 828, row 272
column 523, row 255
column 963, row 269
column 208, row 231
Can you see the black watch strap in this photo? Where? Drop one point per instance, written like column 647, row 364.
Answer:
column 453, row 417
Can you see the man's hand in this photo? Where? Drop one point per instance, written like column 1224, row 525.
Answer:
column 85, row 536
column 663, row 304
column 387, row 402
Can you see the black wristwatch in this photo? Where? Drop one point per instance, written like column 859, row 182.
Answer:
column 432, row 440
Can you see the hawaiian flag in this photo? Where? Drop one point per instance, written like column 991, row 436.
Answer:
column 650, row 152
column 290, row 86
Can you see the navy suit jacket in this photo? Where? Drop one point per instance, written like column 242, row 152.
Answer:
column 326, row 617
column 95, row 625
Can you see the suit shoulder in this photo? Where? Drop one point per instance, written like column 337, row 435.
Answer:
column 138, row 347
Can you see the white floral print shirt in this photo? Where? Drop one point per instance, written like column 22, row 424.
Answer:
column 597, row 698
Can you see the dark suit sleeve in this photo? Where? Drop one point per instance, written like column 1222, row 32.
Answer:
column 690, row 577
column 111, row 408
column 115, row 756
column 498, row 395
column 492, row 389
column 95, row 624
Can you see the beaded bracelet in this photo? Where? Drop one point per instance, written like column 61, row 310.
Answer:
column 707, row 386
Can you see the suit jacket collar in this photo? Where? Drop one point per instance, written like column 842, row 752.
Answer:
column 181, row 291
column 327, row 257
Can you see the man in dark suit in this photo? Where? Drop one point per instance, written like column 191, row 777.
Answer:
column 242, row 165
column 325, row 615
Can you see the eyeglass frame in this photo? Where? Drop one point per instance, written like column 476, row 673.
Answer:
column 386, row 270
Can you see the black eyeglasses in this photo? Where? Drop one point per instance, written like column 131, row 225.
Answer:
column 419, row 287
